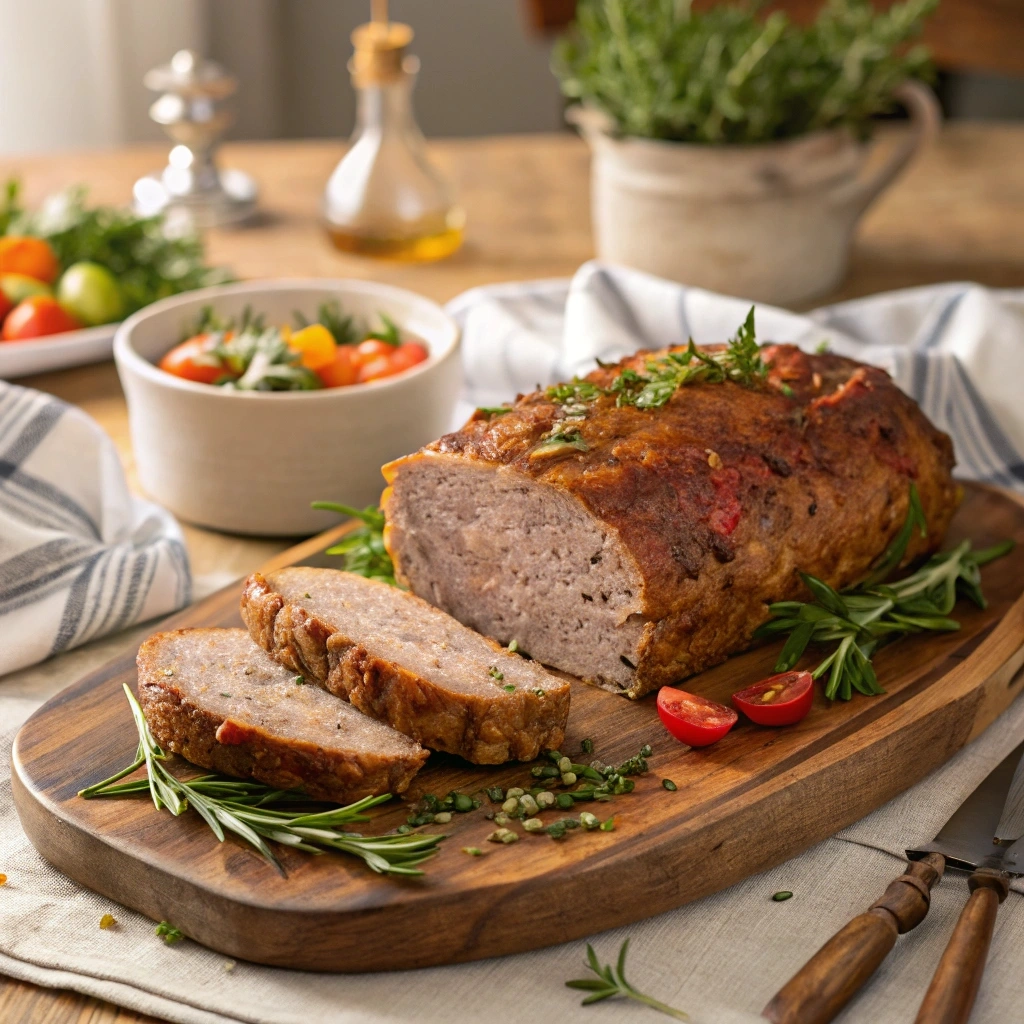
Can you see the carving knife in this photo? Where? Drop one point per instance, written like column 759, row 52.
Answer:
column 824, row 985
column 979, row 838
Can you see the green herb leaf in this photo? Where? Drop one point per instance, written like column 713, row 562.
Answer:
column 362, row 550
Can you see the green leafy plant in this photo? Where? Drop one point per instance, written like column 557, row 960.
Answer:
column 256, row 813
column 660, row 70
column 611, row 981
column 860, row 620
column 363, row 549
column 148, row 261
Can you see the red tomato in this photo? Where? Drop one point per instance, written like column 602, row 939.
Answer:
column 342, row 370
column 777, row 700
column 193, row 360
column 374, row 369
column 30, row 256
column 36, row 316
column 692, row 719
column 372, row 349
column 408, row 355
column 5, row 306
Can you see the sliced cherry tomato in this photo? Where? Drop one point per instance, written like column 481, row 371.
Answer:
column 194, row 360
column 316, row 344
column 371, row 349
column 692, row 719
column 342, row 370
column 407, row 355
column 37, row 316
column 777, row 700
column 30, row 256
column 374, row 369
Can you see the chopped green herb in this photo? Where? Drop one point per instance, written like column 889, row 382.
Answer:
column 225, row 694
column 669, row 785
column 779, row 897
column 822, row 348
column 496, row 794
column 611, row 981
column 560, row 440
column 169, row 933
column 509, row 688
column 473, row 851
column 538, row 692
column 587, row 746
column 513, row 646
column 299, row 680
column 608, row 825
column 495, row 673
column 786, row 389
column 493, row 410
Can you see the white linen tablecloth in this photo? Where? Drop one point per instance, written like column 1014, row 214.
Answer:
column 958, row 349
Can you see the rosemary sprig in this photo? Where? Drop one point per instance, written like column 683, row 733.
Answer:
column 363, row 549
column 255, row 812
column 863, row 618
column 343, row 328
column 611, row 981
column 740, row 362
column 389, row 333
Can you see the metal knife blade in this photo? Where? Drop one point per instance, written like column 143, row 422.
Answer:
column 967, row 840
column 1011, row 822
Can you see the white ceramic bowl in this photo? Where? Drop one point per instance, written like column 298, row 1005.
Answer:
column 251, row 462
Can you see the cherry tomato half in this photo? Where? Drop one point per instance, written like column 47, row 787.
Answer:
column 342, row 370
column 193, row 360
column 30, row 256
column 37, row 316
column 692, row 719
column 371, row 349
column 777, row 700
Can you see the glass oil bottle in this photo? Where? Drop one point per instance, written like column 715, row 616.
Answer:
column 384, row 198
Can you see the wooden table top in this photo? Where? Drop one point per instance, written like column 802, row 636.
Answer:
column 958, row 214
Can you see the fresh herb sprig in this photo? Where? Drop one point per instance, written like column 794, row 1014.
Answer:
column 343, row 328
column 256, row 812
column 740, row 362
column 263, row 361
column 732, row 74
column 389, row 333
column 363, row 549
column 611, row 981
column 860, row 620
column 559, row 440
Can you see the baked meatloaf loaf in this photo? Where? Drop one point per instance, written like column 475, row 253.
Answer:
column 632, row 530
column 214, row 697
column 407, row 663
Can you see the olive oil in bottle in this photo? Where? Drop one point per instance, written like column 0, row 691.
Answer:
column 385, row 199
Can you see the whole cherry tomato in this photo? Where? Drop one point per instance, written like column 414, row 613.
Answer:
column 374, row 369
column 777, row 700
column 30, row 256
column 342, row 370
column 194, row 360
column 37, row 316
column 692, row 719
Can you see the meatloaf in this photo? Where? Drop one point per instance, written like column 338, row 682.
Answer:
column 636, row 546
column 407, row 663
column 214, row 697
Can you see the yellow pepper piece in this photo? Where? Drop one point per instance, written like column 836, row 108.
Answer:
column 316, row 344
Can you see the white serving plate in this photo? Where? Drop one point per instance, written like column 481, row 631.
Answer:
column 56, row 352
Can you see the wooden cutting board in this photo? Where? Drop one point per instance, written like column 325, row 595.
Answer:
column 743, row 805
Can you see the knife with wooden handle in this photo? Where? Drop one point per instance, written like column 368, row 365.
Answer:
column 824, row 985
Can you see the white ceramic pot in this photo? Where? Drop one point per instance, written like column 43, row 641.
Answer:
column 771, row 222
column 251, row 462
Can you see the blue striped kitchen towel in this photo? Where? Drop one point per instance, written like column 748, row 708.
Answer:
column 79, row 556
column 958, row 349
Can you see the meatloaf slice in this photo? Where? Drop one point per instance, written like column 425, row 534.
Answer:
column 214, row 697
column 407, row 663
column 634, row 546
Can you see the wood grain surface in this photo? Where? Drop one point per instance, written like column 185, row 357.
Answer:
column 752, row 800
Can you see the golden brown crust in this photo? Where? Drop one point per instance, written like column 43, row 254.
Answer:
column 722, row 494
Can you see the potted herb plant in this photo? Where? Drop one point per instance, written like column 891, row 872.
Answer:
column 731, row 150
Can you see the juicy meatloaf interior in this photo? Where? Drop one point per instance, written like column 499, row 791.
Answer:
column 214, row 697
column 518, row 560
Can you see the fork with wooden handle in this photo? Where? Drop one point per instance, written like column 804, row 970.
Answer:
column 824, row 985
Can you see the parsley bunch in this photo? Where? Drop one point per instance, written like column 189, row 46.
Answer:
column 660, row 70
